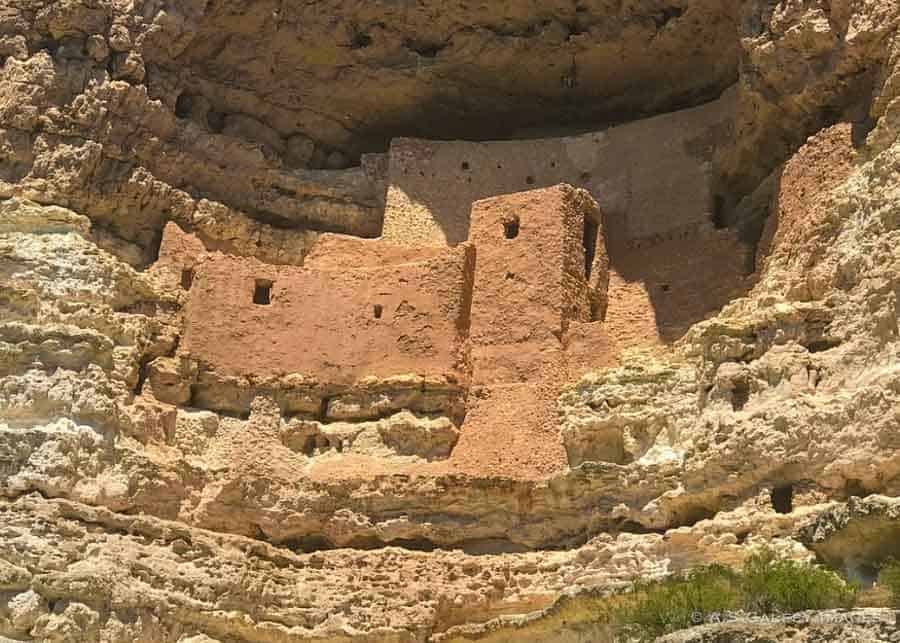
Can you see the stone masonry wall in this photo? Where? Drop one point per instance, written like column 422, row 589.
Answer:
column 541, row 263
column 530, row 279
column 650, row 177
column 379, row 311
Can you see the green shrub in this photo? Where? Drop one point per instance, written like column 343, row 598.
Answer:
column 766, row 585
column 656, row 608
column 889, row 577
column 776, row 585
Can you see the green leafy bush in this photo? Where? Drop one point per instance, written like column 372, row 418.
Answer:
column 889, row 577
column 659, row 607
column 773, row 585
column 766, row 585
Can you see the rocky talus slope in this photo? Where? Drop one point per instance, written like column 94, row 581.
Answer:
column 181, row 464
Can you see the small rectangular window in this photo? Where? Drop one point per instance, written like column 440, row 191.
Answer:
column 187, row 278
column 262, row 295
column 589, row 241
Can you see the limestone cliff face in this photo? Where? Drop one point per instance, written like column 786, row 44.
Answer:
column 279, row 361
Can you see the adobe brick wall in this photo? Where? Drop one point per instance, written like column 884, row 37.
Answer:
column 683, row 280
column 497, row 326
column 528, row 287
column 372, row 311
column 649, row 177
column 338, row 252
column 179, row 249
column 511, row 431
column 528, row 290
column 657, row 292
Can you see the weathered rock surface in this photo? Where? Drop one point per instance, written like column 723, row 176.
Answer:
column 876, row 625
column 499, row 473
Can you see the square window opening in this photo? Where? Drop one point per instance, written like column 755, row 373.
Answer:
column 262, row 293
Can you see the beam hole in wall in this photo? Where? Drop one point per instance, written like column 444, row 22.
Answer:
column 511, row 229
column 465, row 166
column 262, row 292
column 187, row 278
column 585, row 177
column 589, row 240
column 665, row 287
column 783, row 499
column 529, row 180
column 377, row 311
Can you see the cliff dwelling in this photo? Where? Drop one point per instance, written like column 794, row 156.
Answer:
column 495, row 282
